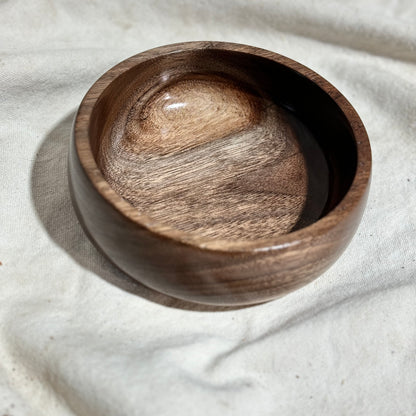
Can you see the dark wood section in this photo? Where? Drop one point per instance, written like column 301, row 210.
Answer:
column 218, row 173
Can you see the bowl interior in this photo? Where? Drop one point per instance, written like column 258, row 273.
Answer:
column 223, row 145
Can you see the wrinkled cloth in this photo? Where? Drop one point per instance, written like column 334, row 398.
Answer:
column 78, row 337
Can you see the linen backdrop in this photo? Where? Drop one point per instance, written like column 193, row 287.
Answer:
column 77, row 337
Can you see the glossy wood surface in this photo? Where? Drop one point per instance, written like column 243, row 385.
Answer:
column 218, row 173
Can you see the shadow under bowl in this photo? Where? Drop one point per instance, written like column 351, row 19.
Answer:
column 218, row 173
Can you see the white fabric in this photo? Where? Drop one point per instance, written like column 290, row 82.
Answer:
column 79, row 338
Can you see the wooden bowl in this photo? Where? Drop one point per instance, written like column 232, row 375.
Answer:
column 218, row 173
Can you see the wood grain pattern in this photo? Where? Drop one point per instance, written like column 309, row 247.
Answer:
column 215, row 160
column 218, row 173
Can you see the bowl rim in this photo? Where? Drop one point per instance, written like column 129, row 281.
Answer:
column 356, row 192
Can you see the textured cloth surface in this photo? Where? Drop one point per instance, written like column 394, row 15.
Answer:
column 77, row 337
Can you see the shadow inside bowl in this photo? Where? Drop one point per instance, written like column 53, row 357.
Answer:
column 52, row 202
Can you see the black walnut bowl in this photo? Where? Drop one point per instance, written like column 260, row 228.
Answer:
column 218, row 173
